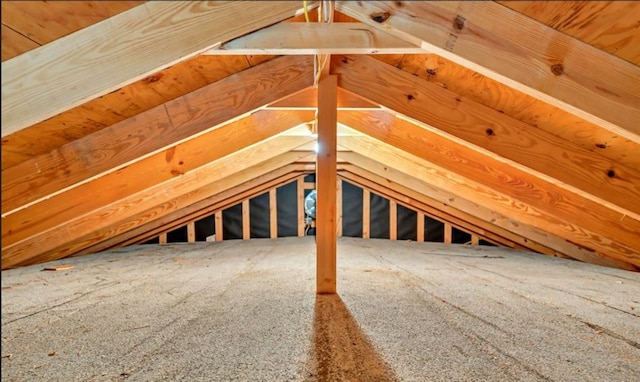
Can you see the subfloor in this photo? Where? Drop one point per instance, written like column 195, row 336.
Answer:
column 247, row 311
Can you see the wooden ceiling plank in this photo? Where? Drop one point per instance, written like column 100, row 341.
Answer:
column 44, row 21
column 155, row 169
column 592, row 174
column 540, row 115
column 316, row 38
column 75, row 234
column 120, row 50
column 519, row 52
column 458, row 193
column 119, row 105
column 14, row 43
column 156, row 129
column 608, row 25
column 508, row 190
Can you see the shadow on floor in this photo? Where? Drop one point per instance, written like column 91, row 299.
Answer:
column 340, row 350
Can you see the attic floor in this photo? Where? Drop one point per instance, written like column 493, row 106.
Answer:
column 246, row 311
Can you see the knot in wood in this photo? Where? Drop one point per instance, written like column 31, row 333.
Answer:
column 458, row 23
column 380, row 17
column 557, row 69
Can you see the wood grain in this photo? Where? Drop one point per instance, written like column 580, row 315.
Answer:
column 114, row 107
column 424, row 205
column 454, row 194
column 14, row 43
column 569, row 212
column 519, row 52
column 308, row 99
column 113, row 219
column 39, row 84
column 539, row 115
column 591, row 174
column 326, row 173
column 608, row 25
column 153, row 130
column 164, row 166
column 316, row 38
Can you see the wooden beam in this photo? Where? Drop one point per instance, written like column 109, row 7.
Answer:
column 447, row 233
column 221, row 201
column 339, row 208
column 199, row 210
column 519, row 52
column 191, row 232
column 98, row 59
column 614, row 184
column 366, row 214
column 308, row 99
column 164, row 166
column 464, row 194
column 559, row 211
column 82, row 231
column 420, row 227
column 218, row 226
column 246, row 224
column 162, row 239
column 273, row 214
column 301, row 214
column 156, row 129
column 425, row 205
column 326, row 186
column 475, row 240
column 316, row 38
column 393, row 220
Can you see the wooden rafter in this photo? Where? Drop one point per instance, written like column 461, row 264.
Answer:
column 614, row 184
column 156, row 169
column 519, row 52
column 450, row 170
column 201, row 209
column 420, row 203
column 122, row 49
column 179, row 192
column 155, row 129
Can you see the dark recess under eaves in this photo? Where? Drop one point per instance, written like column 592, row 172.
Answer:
column 287, row 219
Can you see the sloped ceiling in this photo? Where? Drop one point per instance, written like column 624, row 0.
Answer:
column 121, row 118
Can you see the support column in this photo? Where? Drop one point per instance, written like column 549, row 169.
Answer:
column 326, row 177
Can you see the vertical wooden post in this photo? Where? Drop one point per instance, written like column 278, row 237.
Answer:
column 420, row 227
column 218, row 225
column 475, row 240
column 273, row 214
column 326, row 177
column 393, row 220
column 447, row 233
column 366, row 213
column 191, row 232
column 163, row 238
column 300, row 184
column 339, row 207
column 246, row 225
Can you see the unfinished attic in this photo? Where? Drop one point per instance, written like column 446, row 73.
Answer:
column 320, row 191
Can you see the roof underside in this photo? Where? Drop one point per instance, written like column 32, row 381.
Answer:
column 520, row 118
